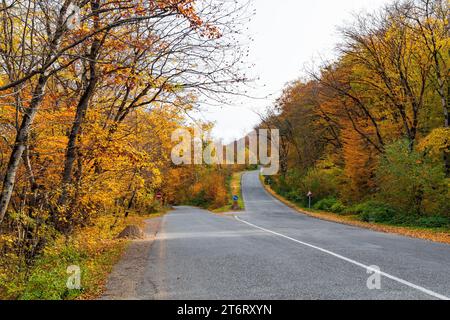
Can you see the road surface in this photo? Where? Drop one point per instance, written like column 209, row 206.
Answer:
column 272, row 252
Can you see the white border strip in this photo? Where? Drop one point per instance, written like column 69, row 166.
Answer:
column 387, row 275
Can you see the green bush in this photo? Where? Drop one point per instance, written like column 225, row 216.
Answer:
column 47, row 280
column 412, row 181
column 373, row 211
column 325, row 204
column 322, row 180
column 434, row 222
column 405, row 220
column 338, row 207
column 330, row 204
column 283, row 187
column 200, row 200
column 418, row 221
column 268, row 180
column 295, row 197
column 322, row 183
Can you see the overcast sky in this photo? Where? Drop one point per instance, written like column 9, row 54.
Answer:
column 288, row 34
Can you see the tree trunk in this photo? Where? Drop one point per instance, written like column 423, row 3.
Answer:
column 20, row 145
column 72, row 143
column 447, row 153
column 445, row 102
column 82, row 107
column 30, row 113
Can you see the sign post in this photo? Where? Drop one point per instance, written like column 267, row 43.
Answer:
column 309, row 199
column 159, row 196
column 235, row 203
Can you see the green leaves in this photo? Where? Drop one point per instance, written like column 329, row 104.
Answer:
column 411, row 181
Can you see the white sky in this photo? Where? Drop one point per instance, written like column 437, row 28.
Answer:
column 288, row 34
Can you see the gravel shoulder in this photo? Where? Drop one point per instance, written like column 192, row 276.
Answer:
column 126, row 277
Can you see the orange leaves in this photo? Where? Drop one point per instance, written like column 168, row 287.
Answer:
column 360, row 162
column 211, row 189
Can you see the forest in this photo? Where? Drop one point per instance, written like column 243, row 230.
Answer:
column 90, row 93
column 368, row 134
column 92, row 90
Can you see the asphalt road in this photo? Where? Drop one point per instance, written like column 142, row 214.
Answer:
column 272, row 252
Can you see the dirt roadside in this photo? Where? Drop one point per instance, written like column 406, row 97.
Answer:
column 126, row 276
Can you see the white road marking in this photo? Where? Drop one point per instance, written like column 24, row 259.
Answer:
column 387, row 275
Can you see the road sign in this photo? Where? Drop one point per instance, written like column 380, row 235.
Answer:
column 309, row 199
column 235, row 198
column 159, row 196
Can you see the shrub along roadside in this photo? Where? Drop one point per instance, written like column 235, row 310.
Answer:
column 429, row 228
column 368, row 211
column 94, row 249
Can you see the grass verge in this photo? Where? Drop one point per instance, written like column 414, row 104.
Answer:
column 234, row 188
column 436, row 235
column 94, row 249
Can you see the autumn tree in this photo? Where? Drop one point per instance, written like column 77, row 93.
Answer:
column 388, row 85
column 169, row 51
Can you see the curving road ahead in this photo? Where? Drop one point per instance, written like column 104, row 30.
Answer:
column 272, row 252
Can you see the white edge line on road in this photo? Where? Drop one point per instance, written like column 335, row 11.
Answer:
column 387, row 275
